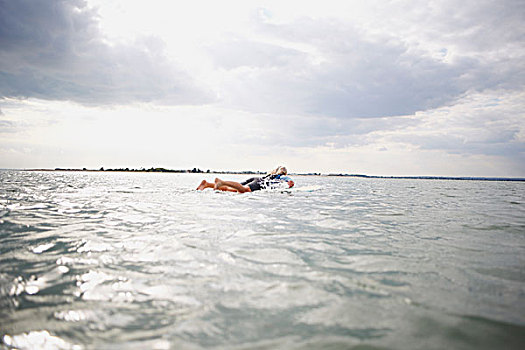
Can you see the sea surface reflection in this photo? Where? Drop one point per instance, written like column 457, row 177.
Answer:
column 94, row 260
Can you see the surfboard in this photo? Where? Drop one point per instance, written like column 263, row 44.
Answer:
column 294, row 189
column 310, row 188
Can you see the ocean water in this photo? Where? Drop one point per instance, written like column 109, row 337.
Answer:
column 92, row 260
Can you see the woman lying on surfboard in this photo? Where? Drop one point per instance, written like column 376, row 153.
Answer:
column 275, row 179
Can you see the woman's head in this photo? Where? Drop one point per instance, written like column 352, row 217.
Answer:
column 280, row 170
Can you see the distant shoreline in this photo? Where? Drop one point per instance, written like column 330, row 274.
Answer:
column 199, row 171
column 461, row 178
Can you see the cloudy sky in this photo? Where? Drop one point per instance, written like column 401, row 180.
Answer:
column 376, row 87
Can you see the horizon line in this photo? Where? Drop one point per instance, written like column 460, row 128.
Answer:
column 208, row 171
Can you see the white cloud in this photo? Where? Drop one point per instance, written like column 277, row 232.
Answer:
column 54, row 50
column 490, row 123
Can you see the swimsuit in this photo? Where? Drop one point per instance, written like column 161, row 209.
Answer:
column 254, row 183
column 267, row 182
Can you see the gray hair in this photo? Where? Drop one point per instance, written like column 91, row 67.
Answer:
column 280, row 170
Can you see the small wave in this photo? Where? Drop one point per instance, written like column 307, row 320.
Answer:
column 37, row 340
column 42, row 248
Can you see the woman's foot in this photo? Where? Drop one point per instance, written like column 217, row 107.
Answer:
column 202, row 185
column 218, row 183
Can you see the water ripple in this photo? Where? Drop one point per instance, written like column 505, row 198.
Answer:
column 99, row 260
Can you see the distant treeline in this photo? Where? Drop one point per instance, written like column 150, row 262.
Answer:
column 154, row 170
column 161, row 170
column 431, row 177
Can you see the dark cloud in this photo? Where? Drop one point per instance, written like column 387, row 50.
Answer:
column 8, row 126
column 457, row 144
column 53, row 49
column 361, row 80
column 349, row 73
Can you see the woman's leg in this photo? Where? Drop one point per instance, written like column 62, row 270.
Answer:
column 229, row 185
